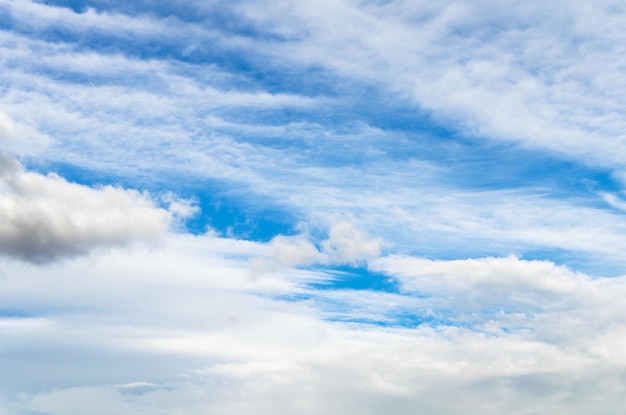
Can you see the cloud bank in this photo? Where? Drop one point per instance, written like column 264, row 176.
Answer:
column 206, row 333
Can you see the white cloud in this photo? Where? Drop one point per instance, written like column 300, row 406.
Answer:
column 455, row 59
column 535, row 299
column 510, row 273
column 613, row 201
column 542, row 77
column 345, row 245
column 179, row 208
column 40, row 16
column 194, row 323
column 293, row 251
column 45, row 217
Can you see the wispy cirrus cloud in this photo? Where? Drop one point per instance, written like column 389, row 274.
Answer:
column 524, row 73
column 197, row 122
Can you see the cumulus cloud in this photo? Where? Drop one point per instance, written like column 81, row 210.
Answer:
column 348, row 245
column 293, row 251
column 44, row 217
column 345, row 244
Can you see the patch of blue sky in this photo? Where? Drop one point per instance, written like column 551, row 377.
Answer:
column 484, row 166
column 469, row 162
column 401, row 320
column 135, row 47
column 221, row 209
column 396, row 315
column 591, row 265
column 383, row 304
column 355, row 278
column 6, row 20
column 483, row 321
column 337, row 296
column 78, row 173
column 337, row 310
column 17, row 313
column 232, row 219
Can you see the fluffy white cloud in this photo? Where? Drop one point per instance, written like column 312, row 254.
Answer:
column 45, row 217
column 293, row 251
column 345, row 245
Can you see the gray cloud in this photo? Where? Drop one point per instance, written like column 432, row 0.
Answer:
column 45, row 218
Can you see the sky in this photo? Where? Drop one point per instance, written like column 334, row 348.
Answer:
column 336, row 206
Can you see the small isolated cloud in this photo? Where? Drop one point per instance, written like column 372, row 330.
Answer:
column 345, row 245
column 45, row 218
column 293, row 251
column 180, row 208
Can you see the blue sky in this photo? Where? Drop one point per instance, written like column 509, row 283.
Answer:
column 270, row 207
